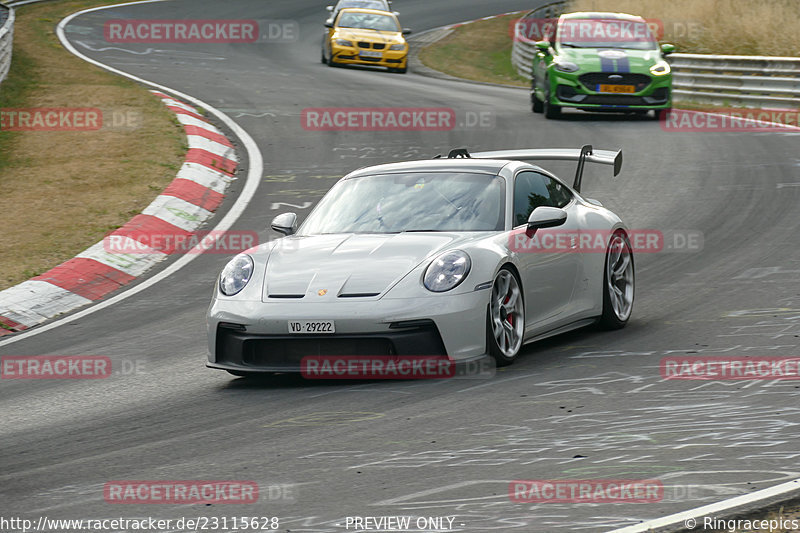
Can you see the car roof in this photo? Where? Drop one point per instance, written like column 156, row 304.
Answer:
column 466, row 165
column 582, row 15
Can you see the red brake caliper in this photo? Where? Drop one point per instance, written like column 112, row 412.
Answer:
column 509, row 318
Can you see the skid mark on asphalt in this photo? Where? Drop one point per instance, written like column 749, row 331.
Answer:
column 326, row 418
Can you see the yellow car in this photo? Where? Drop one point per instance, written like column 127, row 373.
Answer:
column 366, row 37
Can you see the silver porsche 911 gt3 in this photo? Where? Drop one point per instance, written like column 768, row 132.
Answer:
column 458, row 257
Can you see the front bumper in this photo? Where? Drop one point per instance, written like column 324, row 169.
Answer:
column 579, row 90
column 252, row 336
column 347, row 55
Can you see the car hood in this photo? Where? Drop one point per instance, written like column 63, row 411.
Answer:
column 347, row 265
column 354, row 34
column 615, row 59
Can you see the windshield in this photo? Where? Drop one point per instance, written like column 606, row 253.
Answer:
column 365, row 4
column 394, row 203
column 368, row 21
column 605, row 33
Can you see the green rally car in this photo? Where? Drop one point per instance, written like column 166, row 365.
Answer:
column 601, row 62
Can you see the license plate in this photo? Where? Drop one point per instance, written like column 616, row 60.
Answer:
column 370, row 53
column 311, row 326
column 603, row 88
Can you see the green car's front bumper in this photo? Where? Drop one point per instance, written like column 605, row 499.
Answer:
column 581, row 90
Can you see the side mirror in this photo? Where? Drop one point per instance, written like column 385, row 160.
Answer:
column 285, row 223
column 667, row 49
column 546, row 217
column 543, row 46
column 328, row 24
column 407, row 31
column 329, row 8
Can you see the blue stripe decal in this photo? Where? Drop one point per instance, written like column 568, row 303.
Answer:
column 623, row 65
column 607, row 65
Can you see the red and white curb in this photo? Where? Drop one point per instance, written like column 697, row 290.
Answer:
column 180, row 210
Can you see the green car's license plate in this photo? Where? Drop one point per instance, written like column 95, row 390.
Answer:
column 604, row 88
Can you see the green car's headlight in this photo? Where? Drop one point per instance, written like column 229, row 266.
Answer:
column 397, row 47
column 566, row 66
column 660, row 69
column 447, row 271
column 343, row 42
column 236, row 274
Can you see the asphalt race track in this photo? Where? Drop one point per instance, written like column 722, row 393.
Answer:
column 584, row 405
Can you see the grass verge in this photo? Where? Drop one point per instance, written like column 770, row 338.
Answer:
column 62, row 191
column 736, row 27
column 480, row 51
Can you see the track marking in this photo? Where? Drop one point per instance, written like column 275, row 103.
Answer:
column 248, row 192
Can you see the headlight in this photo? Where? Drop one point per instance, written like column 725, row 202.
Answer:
column 660, row 69
column 447, row 271
column 343, row 42
column 236, row 274
column 566, row 66
column 397, row 47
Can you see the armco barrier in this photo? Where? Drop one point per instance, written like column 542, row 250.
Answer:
column 730, row 81
column 6, row 39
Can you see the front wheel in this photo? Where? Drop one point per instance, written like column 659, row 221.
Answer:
column 661, row 113
column 550, row 111
column 618, row 283
column 536, row 105
column 505, row 324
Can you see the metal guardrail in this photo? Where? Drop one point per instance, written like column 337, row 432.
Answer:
column 523, row 49
column 6, row 40
column 736, row 81
column 731, row 81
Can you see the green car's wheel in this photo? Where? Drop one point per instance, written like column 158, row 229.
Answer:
column 550, row 111
column 661, row 113
column 536, row 105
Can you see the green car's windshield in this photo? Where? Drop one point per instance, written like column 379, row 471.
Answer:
column 368, row 21
column 605, row 33
column 414, row 201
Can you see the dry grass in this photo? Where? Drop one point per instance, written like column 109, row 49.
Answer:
column 61, row 192
column 480, row 51
column 765, row 27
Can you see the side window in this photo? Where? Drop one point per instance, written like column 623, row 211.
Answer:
column 559, row 195
column 532, row 190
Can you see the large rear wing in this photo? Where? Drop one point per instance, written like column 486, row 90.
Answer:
column 582, row 155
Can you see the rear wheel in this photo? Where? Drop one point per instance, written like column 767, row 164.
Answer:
column 618, row 283
column 505, row 324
